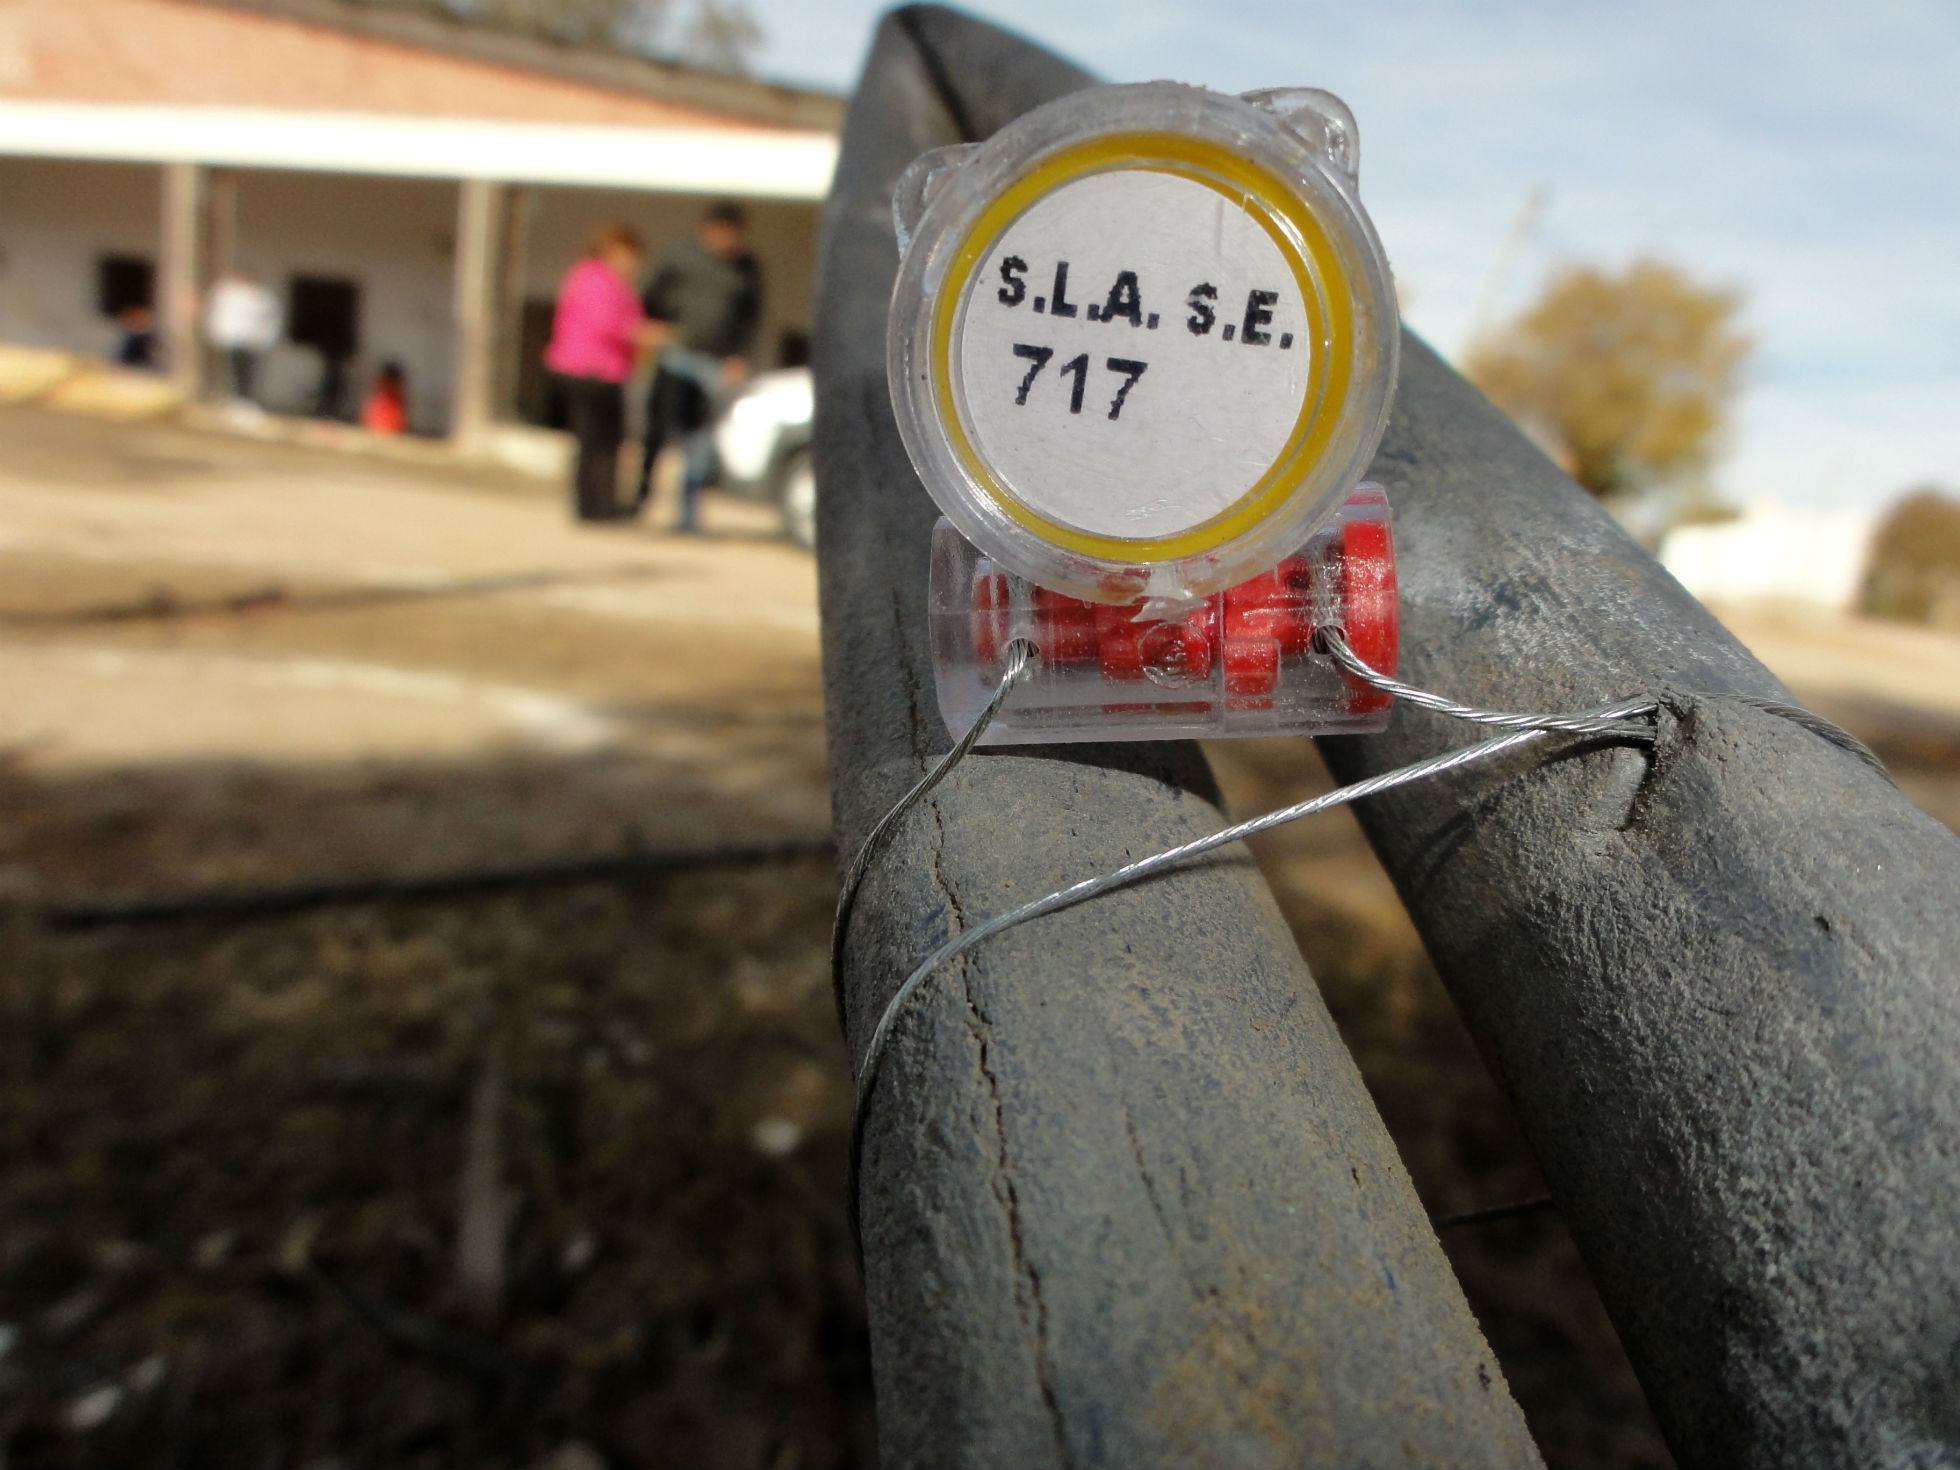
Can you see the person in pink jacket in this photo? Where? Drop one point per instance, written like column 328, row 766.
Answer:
column 596, row 333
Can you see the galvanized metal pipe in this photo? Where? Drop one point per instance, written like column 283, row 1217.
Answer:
column 1721, row 981
column 1125, row 1199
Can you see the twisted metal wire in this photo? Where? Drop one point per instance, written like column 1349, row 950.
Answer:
column 1616, row 722
column 1021, row 656
column 1334, row 641
column 1817, row 725
column 1619, row 722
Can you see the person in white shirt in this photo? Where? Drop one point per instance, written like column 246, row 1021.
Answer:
column 242, row 319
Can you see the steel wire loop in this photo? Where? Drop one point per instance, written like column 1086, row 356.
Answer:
column 1619, row 722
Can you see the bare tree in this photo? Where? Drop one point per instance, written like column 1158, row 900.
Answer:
column 718, row 35
column 721, row 35
column 636, row 24
column 575, row 22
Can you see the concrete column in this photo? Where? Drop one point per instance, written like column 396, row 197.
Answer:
column 181, row 272
column 479, row 213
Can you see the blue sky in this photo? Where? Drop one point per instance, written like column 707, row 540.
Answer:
column 1805, row 152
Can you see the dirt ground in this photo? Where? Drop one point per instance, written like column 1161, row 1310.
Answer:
column 549, row 1175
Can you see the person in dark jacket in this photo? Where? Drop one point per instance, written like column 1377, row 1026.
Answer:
column 708, row 288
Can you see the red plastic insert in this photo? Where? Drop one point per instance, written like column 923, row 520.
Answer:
column 1239, row 663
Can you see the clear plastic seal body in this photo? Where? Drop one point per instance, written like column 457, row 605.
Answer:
column 1240, row 662
column 1143, row 340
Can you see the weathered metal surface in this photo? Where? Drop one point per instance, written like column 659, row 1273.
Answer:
column 1125, row 1200
column 1721, row 981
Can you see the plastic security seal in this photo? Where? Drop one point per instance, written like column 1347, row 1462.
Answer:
column 1245, row 661
column 1143, row 339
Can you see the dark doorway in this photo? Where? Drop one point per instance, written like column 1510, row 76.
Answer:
column 324, row 313
column 123, row 282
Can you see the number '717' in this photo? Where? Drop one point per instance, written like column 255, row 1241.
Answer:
column 1078, row 368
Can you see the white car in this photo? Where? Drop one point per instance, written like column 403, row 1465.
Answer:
column 762, row 448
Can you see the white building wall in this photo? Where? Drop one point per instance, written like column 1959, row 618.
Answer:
column 394, row 236
column 56, row 220
column 397, row 238
column 1774, row 553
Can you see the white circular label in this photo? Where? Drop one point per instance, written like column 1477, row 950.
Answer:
column 1133, row 354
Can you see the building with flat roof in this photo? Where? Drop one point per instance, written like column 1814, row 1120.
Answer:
column 413, row 187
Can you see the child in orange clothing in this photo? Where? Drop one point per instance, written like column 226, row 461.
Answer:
column 386, row 411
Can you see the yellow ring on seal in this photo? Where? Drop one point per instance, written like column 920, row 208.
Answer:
column 1319, row 269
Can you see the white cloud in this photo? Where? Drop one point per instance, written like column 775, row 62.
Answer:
column 1807, row 152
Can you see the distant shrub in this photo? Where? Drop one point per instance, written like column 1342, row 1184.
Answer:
column 1914, row 571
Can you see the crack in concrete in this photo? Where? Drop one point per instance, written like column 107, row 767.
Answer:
column 913, row 721
column 981, row 1028
column 1027, row 1290
column 1150, row 1191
